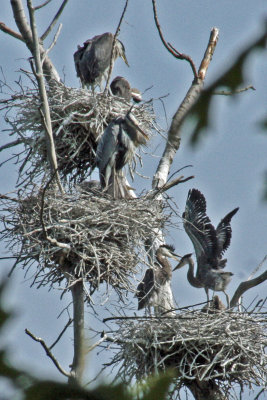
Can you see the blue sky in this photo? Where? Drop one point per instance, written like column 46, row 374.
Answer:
column 228, row 163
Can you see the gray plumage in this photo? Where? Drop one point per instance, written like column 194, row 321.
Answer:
column 121, row 87
column 155, row 288
column 92, row 61
column 209, row 244
column 115, row 149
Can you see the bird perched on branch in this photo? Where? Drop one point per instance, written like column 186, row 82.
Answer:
column 121, row 87
column 93, row 60
column 155, row 288
column 115, row 149
column 209, row 244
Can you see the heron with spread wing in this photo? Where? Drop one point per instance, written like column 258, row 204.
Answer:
column 209, row 244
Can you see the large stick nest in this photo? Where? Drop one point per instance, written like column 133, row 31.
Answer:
column 82, row 235
column 225, row 347
column 78, row 120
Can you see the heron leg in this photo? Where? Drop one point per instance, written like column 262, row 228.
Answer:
column 207, row 293
column 227, row 299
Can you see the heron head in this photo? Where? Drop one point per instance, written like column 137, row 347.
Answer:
column 184, row 260
column 167, row 251
column 120, row 51
column 137, row 135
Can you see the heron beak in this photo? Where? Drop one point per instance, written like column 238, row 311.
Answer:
column 179, row 265
column 175, row 256
column 123, row 56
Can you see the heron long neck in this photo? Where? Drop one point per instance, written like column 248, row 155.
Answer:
column 163, row 261
column 190, row 275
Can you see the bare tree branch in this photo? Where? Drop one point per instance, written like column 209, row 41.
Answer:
column 54, row 21
column 45, row 111
column 42, row 5
column 10, row 31
column 169, row 47
column 24, row 28
column 48, row 353
column 246, row 285
column 61, row 333
column 113, row 45
column 190, row 99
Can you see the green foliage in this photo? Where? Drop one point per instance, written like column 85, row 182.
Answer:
column 230, row 79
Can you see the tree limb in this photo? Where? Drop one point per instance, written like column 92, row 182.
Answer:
column 45, row 111
column 48, row 353
column 246, row 285
column 169, row 47
column 54, row 21
column 10, row 31
column 24, row 28
column 77, row 367
column 190, row 99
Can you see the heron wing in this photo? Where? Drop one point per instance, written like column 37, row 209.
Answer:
column 145, row 288
column 96, row 57
column 224, row 232
column 198, row 226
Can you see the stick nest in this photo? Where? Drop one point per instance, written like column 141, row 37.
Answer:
column 82, row 235
column 225, row 347
column 78, row 120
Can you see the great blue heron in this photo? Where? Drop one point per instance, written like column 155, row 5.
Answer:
column 121, row 87
column 209, row 244
column 115, row 149
column 92, row 61
column 155, row 288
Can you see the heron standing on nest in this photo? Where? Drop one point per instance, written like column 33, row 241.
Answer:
column 92, row 61
column 209, row 244
column 121, row 87
column 115, row 149
column 155, row 288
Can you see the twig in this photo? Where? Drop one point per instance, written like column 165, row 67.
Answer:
column 42, row 5
column 169, row 47
column 45, row 111
column 5, row 197
column 48, row 353
column 54, row 21
column 257, row 268
column 61, row 333
column 113, row 45
column 103, row 338
column 11, row 144
column 214, row 35
column 230, row 93
column 54, row 39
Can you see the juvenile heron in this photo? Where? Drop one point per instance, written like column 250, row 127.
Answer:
column 155, row 288
column 115, row 149
column 92, row 61
column 209, row 244
column 121, row 87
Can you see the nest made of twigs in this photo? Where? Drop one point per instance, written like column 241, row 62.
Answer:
column 85, row 235
column 224, row 347
column 78, row 120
